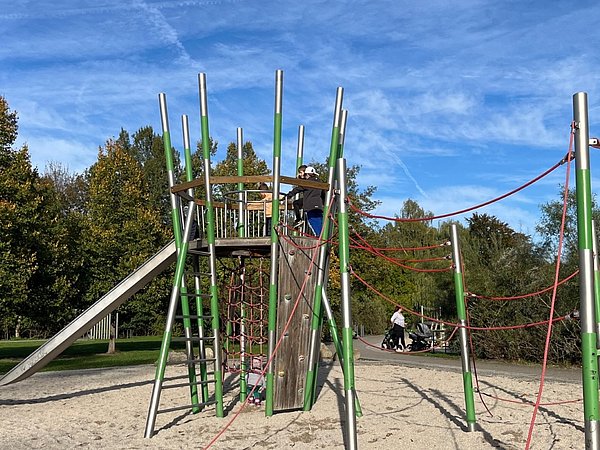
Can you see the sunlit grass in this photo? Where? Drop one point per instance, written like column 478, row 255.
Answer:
column 86, row 354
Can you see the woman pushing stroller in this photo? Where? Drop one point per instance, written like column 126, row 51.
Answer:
column 398, row 329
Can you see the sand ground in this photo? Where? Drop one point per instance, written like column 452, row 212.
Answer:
column 403, row 408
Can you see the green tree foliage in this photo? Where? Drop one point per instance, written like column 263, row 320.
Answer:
column 36, row 268
column 67, row 239
column 148, row 150
column 125, row 229
column 252, row 164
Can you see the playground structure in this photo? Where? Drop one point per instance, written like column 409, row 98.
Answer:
column 297, row 296
column 297, row 282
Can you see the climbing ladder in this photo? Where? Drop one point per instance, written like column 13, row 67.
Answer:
column 204, row 367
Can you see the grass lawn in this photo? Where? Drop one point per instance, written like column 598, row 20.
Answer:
column 86, row 354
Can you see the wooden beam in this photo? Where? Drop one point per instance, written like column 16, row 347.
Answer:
column 181, row 187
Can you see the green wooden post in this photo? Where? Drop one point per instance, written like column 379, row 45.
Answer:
column 210, row 240
column 589, row 351
column 272, row 321
column 348, row 362
column 462, row 317
column 317, row 316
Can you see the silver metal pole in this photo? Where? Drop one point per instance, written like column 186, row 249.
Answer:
column 300, row 147
column 351, row 434
column 596, row 281
column 586, row 279
column 464, row 348
column 241, row 203
column 273, row 293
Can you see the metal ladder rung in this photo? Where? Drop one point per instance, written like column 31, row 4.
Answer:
column 193, row 294
column 191, row 338
column 200, row 360
column 181, row 377
column 189, row 383
column 198, row 252
column 199, row 274
column 192, row 316
column 179, row 408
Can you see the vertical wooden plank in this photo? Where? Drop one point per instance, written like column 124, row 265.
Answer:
column 291, row 359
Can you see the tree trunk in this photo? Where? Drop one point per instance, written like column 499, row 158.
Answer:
column 112, row 342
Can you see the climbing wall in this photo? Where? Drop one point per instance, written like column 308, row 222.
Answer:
column 291, row 360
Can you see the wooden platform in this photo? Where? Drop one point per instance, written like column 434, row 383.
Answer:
column 236, row 246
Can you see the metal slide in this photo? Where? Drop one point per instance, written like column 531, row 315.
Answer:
column 110, row 301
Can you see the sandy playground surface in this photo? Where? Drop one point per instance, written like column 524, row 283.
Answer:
column 403, row 408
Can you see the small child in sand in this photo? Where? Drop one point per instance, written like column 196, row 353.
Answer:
column 255, row 380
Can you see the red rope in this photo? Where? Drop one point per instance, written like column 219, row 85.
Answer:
column 394, row 261
column 404, row 249
column 556, row 277
column 462, row 211
column 533, row 294
column 452, row 324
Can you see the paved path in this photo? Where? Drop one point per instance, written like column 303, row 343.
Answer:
column 488, row 368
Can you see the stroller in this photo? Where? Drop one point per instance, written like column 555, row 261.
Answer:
column 388, row 340
column 422, row 338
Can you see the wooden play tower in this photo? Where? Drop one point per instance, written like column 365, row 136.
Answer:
column 268, row 321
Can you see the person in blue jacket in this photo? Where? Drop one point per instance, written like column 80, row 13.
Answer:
column 312, row 200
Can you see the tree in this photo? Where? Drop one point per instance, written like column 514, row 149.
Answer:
column 125, row 229
column 35, row 272
column 252, row 164
column 148, row 150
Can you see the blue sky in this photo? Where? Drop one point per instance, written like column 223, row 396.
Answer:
column 449, row 103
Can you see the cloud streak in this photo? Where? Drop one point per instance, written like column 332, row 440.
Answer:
column 447, row 102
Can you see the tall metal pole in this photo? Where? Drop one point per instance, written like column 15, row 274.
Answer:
column 272, row 321
column 596, row 282
column 462, row 317
column 589, row 363
column 344, row 249
column 300, row 148
column 210, row 241
column 185, row 308
column 181, row 257
column 343, row 132
column 189, row 176
column 240, row 171
column 317, row 315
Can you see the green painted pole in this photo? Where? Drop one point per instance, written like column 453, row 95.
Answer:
column 462, row 317
column 300, row 147
column 310, row 391
column 241, row 234
column 272, row 320
column 210, row 241
column 589, row 351
column 243, row 331
column 299, row 162
column 240, row 171
column 343, row 132
column 596, row 282
column 182, row 248
column 185, row 308
column 344, row 250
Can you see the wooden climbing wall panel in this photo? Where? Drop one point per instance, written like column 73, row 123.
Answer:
column 291, row 359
